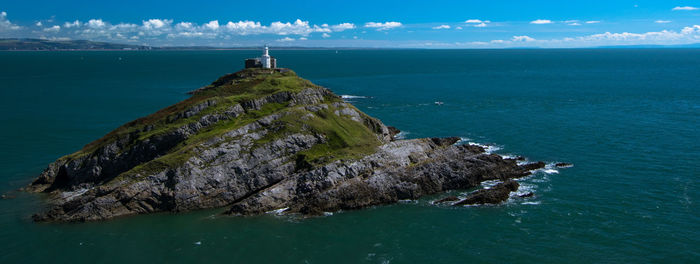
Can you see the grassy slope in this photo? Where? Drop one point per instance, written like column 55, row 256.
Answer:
column 345, row 138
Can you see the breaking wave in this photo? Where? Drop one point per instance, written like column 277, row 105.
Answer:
column 347, row 96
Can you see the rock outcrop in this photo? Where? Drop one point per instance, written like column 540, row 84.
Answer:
column 493, row 195
column 255, row 141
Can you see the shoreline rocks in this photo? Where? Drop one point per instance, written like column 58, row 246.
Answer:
column 493, row 195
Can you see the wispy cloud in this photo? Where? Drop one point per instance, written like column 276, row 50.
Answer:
column 442, row 27
column 523, row 39
column 541, row 21
column 662, row 21
column 383, row 26
column 592, row 22
column 478, row 22
column 341, row 27
column 285, row 39
column 52, row 29
column 685, row 8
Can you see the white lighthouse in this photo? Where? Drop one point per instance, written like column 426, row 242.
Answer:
column 265, row 59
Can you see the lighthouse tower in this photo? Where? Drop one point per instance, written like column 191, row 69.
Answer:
column 265, row 59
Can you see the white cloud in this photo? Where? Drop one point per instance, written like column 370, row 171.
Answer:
column 212, row 25
column 303, row 38
column 244, row 27
column 383, row 26
column 156, row 23
column 96, row 23
column 72, row 24
column 299, row 27
column 541, row 21
column 442, row 27
column 685, row 8
column 662, row 21
column 343, row 27
column 574, row 24
column 38, row 24
column 592, row 22
column 5, row 24
column 326, row 35
column 286, row 39
column 458, row 28
column 478, row 22
column 687, row 35
column 184, row 26
column 522, row 39
column 53, row 29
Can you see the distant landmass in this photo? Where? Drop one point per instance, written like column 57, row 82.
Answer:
column 48, row 45
column 43, row 44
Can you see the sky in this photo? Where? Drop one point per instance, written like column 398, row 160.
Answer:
column 360, row 23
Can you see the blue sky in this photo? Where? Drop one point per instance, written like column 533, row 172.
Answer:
column 410, row 24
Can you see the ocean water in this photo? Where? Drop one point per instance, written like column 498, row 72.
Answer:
column 629, row 120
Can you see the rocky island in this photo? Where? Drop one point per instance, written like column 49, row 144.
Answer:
column 260, row 140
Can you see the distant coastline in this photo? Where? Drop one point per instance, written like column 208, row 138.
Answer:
column 28, row 44
column 25, row 44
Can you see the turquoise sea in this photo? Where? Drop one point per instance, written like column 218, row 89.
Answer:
column 629, row 120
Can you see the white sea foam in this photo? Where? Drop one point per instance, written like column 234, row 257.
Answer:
column 490, row 183
column 532, row 202
column 462, row 141
column 278, row 211
column 402, row 135
column 508, row 156
column 487, row 148
column 347, row 96
column 550, row 171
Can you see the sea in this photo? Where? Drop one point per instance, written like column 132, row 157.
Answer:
column 627, row 119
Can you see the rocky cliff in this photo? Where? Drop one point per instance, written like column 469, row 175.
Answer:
column 255, row 141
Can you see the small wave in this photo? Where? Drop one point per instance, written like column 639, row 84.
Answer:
column 402, row 135
column 532, row 202
column 507, row 156
column 549, row 168
column 278, row 211
column 347, row 96
column 488, row 148
column 490, row 183
column 462, row 141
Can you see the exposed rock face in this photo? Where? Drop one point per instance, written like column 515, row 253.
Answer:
column 494, row 195
column 244, row 144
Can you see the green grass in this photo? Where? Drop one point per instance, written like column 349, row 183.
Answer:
column 345, row 138
column 250, row 84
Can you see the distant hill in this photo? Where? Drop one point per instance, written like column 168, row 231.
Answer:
column 685, row 46
column 42, row 44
